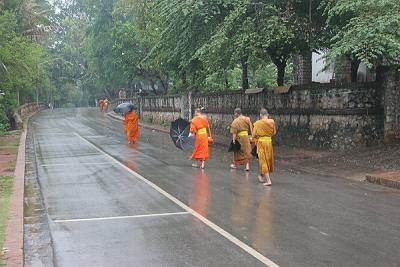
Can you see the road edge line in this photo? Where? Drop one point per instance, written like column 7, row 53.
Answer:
column 209, row 223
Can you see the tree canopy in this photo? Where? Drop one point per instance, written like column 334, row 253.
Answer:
column 70, row 53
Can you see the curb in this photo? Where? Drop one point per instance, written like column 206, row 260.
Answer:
column 389, row 179
column 14, row 243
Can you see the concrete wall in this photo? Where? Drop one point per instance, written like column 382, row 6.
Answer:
column 325, row 116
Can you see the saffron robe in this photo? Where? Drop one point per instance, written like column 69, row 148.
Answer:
column 105, row 105
column 265, row 150
column 201, row 150
column 132, row 126
column 239, row 125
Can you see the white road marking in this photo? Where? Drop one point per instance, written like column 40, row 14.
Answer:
column 209, row 223
column 121, row 217
column 317, row 230
column 67, row 156
column 50, row 134
column 95, row 136
column 75, row 163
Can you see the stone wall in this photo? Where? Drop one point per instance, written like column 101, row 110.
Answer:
column 332, row 116
column 162, row 109
column 21, row 113
column 391, row 96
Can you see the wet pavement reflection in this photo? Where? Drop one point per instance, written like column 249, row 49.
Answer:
column 302, row 220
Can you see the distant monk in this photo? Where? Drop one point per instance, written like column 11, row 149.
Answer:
column 200, row 127
column 263, row 131
column 241, row 127
column 101, row 105
column 132, row 126
column 106, row 103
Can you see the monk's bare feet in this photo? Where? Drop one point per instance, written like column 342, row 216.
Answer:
column 268, row 181
column 233, row 166
column 195, row 165
column 247, row 167
column 261, row 179
column 203, row 164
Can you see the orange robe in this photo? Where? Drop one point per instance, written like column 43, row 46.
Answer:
column 101, row 104
column 132, row 126
column 105, row 105
column 239, row 125
column 201, row 151
column 265, row 150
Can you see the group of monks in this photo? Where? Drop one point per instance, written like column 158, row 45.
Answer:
column 103, row 104
column 246, row 134
column 242, row 130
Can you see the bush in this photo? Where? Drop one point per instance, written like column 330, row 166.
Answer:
column 4, row 122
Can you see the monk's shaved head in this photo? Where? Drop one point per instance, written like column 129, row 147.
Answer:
column 263, row 112
column 238, row 111
column 197, row 110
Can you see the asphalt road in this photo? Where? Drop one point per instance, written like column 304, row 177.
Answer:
column 114, row 204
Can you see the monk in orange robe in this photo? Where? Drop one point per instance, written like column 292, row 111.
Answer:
column 201, row 129
column 106, row 103
column 241, row 128
column 132, row 126
column 101, row 104
column 263, row 131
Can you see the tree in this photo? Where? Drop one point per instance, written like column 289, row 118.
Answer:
column 365, row 30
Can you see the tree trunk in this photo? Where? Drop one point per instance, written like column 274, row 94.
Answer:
column 254, row 69
column 245, row 73
column 18, row 102
column 152, row 84
column 163, row 84
column 354, row 69
column 184, row 80
column 280, row 80
column 226, row 81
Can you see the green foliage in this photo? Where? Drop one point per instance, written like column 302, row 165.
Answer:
column 71, row 52
column 368, row 30
column 21, row 74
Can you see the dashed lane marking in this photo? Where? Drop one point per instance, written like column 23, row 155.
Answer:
column 121, row 217
column 209, row 223
column 75, row 163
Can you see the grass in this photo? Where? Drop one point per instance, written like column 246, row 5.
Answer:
column 9, row 143
column 6, row 185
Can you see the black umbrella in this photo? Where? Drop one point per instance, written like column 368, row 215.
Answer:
column 124, row 107
column 179, row 133
column 234, row 147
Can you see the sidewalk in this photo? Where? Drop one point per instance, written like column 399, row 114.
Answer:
column 379, row 165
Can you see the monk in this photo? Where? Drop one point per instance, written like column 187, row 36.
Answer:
column 101, row 105
column 241, row 127
column 106, row 103
column 263, row 131
column 132, row 126
column 201, row 129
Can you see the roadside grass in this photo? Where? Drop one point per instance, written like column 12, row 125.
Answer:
column 6, row 185
column 9, row 143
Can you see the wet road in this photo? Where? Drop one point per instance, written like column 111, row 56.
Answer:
column 113, row 204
